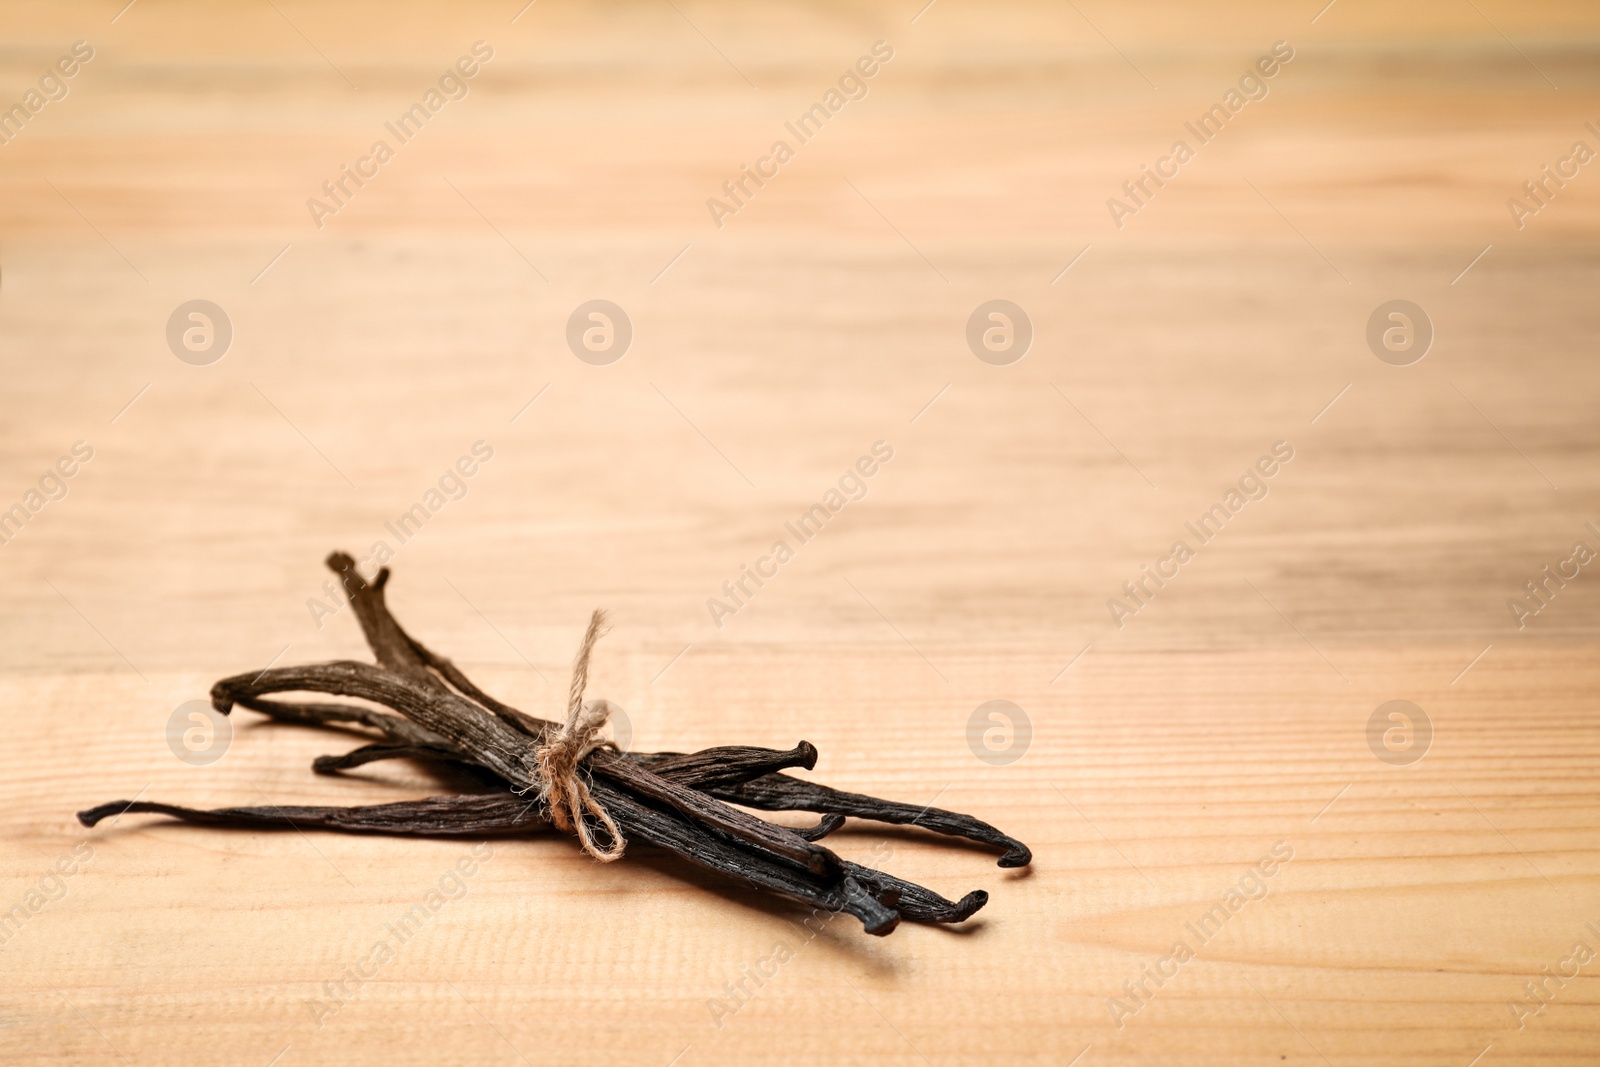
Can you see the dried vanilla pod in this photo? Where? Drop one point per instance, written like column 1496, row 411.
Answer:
column 536, row 774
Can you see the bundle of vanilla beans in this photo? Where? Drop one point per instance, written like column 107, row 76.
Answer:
column 535, row 773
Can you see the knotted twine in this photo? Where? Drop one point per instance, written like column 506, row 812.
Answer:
column 564, row 791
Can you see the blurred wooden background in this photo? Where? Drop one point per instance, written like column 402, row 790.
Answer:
column 1167, row 755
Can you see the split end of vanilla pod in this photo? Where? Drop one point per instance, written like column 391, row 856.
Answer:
column 691, row 804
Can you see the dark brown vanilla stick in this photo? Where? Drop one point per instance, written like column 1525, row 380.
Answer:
column 674, row 801
column 331, row 715
column 780, row 792
column 778, row 840
column 470, row 815
column 730, row 764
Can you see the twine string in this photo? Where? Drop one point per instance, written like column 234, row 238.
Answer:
column 562, row 788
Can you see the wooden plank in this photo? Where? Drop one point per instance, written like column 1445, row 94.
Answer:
column 1212, row 736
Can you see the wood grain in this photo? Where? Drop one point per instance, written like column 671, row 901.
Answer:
column 1168, row 755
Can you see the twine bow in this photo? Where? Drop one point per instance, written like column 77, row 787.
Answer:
column 563, row 790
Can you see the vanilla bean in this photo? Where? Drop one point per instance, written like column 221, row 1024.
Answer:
column 333, row 765
column 780, row 792
column 680, row 802
column 402, row 730
column 468, row 815
column 825, row 826
column 729, row 764
column 715, row 815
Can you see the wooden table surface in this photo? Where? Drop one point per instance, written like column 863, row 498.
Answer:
column 1232, row 864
